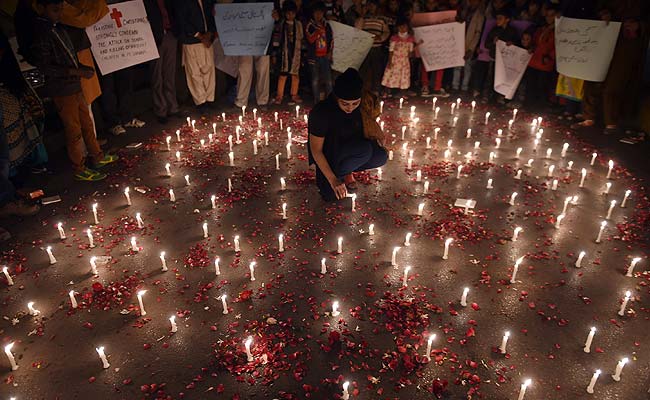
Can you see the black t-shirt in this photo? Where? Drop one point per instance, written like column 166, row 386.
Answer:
column 328, row 121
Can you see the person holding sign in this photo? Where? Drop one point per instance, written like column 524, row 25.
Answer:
column 197, row 28
column 342, row 139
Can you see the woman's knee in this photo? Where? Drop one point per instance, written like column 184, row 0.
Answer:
column 379, row 157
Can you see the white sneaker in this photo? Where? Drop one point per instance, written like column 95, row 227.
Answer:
column 135, row 123
column 117, row 130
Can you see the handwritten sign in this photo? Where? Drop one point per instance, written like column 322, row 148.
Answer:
column 351, row 46
column 443, row 46
column 584, row 47
column 483, row 52
column 122, row 38
column 227, row 64
column 433, row 18
column 244, row 29
column 509, row 67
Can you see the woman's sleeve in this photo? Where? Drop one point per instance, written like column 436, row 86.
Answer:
column 391, row 45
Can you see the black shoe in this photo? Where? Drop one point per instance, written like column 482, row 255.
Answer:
column 162, row 120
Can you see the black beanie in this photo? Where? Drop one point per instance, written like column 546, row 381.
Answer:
column 348, row 85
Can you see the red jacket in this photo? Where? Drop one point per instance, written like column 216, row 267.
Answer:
column 544, row 44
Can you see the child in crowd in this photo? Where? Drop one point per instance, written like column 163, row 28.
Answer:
column 287, row 43
column 473, row 16
column 502, row 31
column 425, row 76
column 398, row 70
column 523, row 91
column 319, row 51
column 541, row 68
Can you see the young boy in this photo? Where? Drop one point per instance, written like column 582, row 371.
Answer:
column 55, row 56
column 319, row 51
column 502, row 31
column 287, row 44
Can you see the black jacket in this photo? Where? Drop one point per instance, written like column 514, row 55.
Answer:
column 156, row 20
column 507, row 34
column 190, row 21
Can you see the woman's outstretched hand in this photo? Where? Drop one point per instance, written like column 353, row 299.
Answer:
column 339, row 188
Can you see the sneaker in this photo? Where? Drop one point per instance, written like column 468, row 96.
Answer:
column 440, row 93
column 135, row 123
column 117, row 130
column 108, row 158
column 19, row 209
column 89, row 175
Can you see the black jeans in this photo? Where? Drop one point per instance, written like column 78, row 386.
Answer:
column 116, row 100
column 358, row 156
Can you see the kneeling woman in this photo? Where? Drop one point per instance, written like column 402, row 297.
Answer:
column 344, row 137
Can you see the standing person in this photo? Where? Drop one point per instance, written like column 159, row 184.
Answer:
column 338, row 138
column 54, row 55
column 287, row 43
column 502, row 31
column 319, row 51
column 355, row 12
column 372, row 68
column 196, row 29
column 474, row 17
column 163, row 69
column 398, row 69
column 541, row 68
column 334, row 11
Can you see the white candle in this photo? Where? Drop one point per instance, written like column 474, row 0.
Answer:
column 570, row 165
column 554, row 185
column 254, row 113
column 590, row 338
column 550, row 171
column 435, row 113
column 323, row 266
column 224, row 304
column 460, row 169
column 445, row 254
column 280, row 124
column 406, row 275
column 346, row 394
column 578, row 263
column 91, row 243
column 432, row 337
column 473, row 105
column 202, row 141
column 335, row 309
column 609, row 171
column 10, row 356
column 255, row 147
column 281, row 242
column 214, row 129
column 510, row 122
column 379, row 173
column 407, row 239
column 126, row 194
column 231, row 158
column 627, row 195
column 163, row 261
column 288, row 150
column 530, row 162
column 243, row 111
column 236, row 244
column 134, row 244
column 230, row 142
column 487, row 117
column 193, row 125
column 371, row 229
column 491, row 156
column 420, row 209
column 512, row 198
column 489, row 184
column 275, row 115
column 608, row 186
column 535, row 144
column 339, row 248
column 172, row 197
column 612, row 204
column 178, row 155
column 139, row 220
column 142, row 310
column 95, row 213
column 73, row 300
column 463, row 298
column 453, row 107
column 213, row 200
column 549, row 151
column 516, row 232
column 189, row 121
column 32, row 311
column 168, row 169
column 582, row 179
column 454, row 121
column 418, row 176
column 566, row 204
column 574, row 200
column 565, row 147
column 504, row 343
column 409, row 163
column 633, row 264
column 59, row 226
column 435, row 100
column 48, row 249
column 168, row 140
column 390, row 155
column 621, row 311
column 519, row 172
column 178, row 135
column 5, row 271
column 469, row 133
column 592, row 382
column 426, row 187
column 393, row 260
column 354, row 201
column 401, row 102
column 513, row 279
column 522, row 391
column 619, row 369
column 102, row 356
column 251, row 268
column 498, row 142
column 277, row 161
column 93, row 265
column 266, row 138
column 381, row 106
column 284, row 210
column 172, row 321
column 428, row 142
column 449, row 143
column 600, row 232
column 381, row 125
column 403, row 131
column 205, row 230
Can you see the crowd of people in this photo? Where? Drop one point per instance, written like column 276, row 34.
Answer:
column 51, row 36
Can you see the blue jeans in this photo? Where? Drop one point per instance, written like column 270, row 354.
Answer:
column 466, row 71
column 321, row 71
column 358, row 156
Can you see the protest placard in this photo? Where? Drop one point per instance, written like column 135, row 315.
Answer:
column 351, row 46
column 227, row 64
column 483, row 52
column 433, row 18
column 244, row 29
column 443, row 46
column 509, row 67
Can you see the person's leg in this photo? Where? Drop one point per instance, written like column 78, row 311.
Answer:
column 282, row 81
column 424, row 78
column 263, row 79
column 244, row 80
column 455, row 82
column 467, row 75
column 87, row 132
column 438, row 83
column 108, row 101
column 191, row 55
column 124, row 89
column 169, row 48
column 68, row 109
column 158, row 84
column 295, row 85
column 488, row 88
column 208, row 72
column 591, row 100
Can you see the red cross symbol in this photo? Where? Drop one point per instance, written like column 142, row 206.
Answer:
column 117, row 16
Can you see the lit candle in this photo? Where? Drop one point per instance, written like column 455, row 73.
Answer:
column 231, row 158
column 519, row 172
column 454, row 121
column 554, row 185
column 550, row 171
column 504, row 343
column 406, row 275
column 5, row 271
column 515, row 269
column 407, row 240
column 224, row 304
column 134, row 244
column 335, row 309
column 612, row 204
column 59, row 226
column 463, row 298
column 600, row 232
column 371, row 229
column 428, row 142
column 420, row 209
column 251, row 268
column 243, row 111
column 608, row 186
column 627, row 195
column 167, row 169
column 280, row 124
column 202, row 141
column 10, row 356
column 435, row 100
column 401, row 102
column 102, row 356
column 524, row 386
column 236, row 243
column 426, row 187
column 281, row 243
column 633, row 263
column 621, row 311
column 498, row 142
column 126, row 194
column 230, row 142
column 512, row 198
column 275, row 115
column 469, row 133
column 213, row 200
column 284, row 210
column 487, row 117
column 559, row 221
column 32, row 311
column 339, row 248
column 379, row 173
column 172, row 197
column 48, row 249
column 535, row 144
column 73, row 300
column 549, row 151
column 178, row 155
column 566, row 204
column 277, row 162
column 409, row 163
column 445, row 254
column 510, row 122
column 516, row 232
column 432, row 337
column 592, row 382
column 142, row 310
column 205, row 230
column 582, row 179
column 403, row 131
column 473, row 105
column 529, row 163
column 172, row 320
column 95, row 213
column 214, row 129
column 609, row 170
column 163, row 261
column 93, row 265
column 453, row 107
column 266, row 138
column 578, row 263
column 460, row 169
column 570, row 165
column 178, row 135
column 381, row 125
column 619, row 369
column 139, row 220
column 189, row 122
column 89, row 233
column 323, row 266
column 168, row 141
column 288, row 150
column 381, row 106
column 565, row 147
column 489, row 184
column 590, row 338
column 193, row 125
column 255, row 147
column 435, row 113
column 346, row 394
column 354, row 201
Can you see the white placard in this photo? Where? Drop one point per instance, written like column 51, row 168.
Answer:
column 351, row 46
column 443, row 46
column 509, row 67
column 245, row 29
column 122, row 38
column 584, row 47
column 227, row 64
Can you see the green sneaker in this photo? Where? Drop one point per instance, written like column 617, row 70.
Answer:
column 108, row 158
column 89, row 175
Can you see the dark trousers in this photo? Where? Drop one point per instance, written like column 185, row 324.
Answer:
column 321, row 72
column 352, row 157
column 116, row 100
column 372, row 69
column 163, row 77
column 538, row 87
